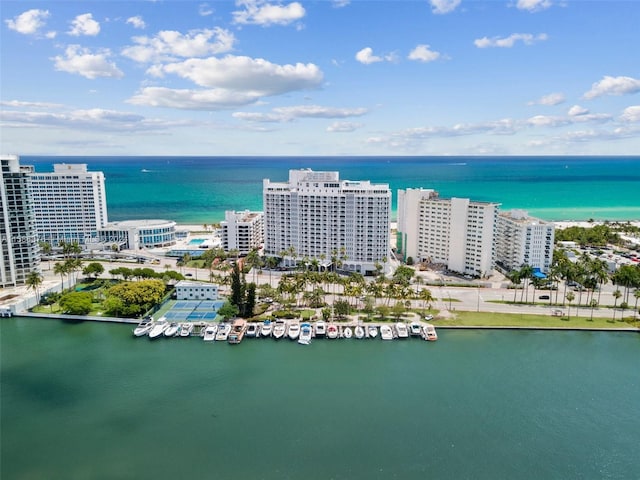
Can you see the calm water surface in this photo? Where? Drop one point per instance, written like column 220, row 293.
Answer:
column 89, row 401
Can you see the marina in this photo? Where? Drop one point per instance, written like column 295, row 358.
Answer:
column 236, row 331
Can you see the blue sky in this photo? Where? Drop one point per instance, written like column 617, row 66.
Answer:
column 256, row 77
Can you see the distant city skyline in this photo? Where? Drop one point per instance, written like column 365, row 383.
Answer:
column 340, row 77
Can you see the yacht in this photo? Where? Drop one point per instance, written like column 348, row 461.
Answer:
column 279, row 329
column 172, row 329
column 267, row 328
column 252, row 329
column 332, row 331
column 430, row 332
column 294, row 330
column 143, row 327
column 185, row 329
column 401, row 329
column 372, row 331
column 359, row 332
column 158, row 328
column 386, row 333
column 347, row 332
column 210, row 332
column 305, row 333
column 320, row 328
column 223, row 332
column 238, row 330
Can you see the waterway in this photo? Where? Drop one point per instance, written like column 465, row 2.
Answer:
column 89, row 401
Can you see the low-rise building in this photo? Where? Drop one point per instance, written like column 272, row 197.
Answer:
column 189, row 290
column 521, row 239
column 138, row 234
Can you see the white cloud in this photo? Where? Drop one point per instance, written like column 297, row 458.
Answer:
column 613, row 86
column 533, row 5
column 204, row 10
column 340, row 3
column 244, row 74
column 631, row 114
column 186, row 99
column 84, row 25
column 29, row 22
column 51, row 35
column 81, row 61
column 261, row 12
column 287, row 114
column 443, row 6
column 577, row 110
column 423, row 53
column 168, row 45
column 21, row 104
column 549, row 100
column 510, row 41
column 367, row 57
column 343, row 127
column 137, row 22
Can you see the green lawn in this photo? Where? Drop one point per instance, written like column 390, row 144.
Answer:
column 524, row 320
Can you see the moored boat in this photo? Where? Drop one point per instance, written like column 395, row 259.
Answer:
column 294, row 330
column 238, row 330
column 266, row 329
column 223, row 332
column 415, row 329
column 210, row 332
column 347, row 332
column 279, row 329
column 359, row 332
column 372, row 330
column 252, row 329
column 430, row 332
column 172, row 329
column 401, row 329
column 143, row 327
column 320, row 328
column 305, row 333
column 185, row 329
column 332, row 331
column 386, row 333
column 158, row 328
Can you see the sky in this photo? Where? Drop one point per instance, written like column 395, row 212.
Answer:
column 328, row 77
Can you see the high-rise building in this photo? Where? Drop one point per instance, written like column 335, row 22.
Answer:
column 19, row 252
column 242, row 231
column 317, row 216
column 70, row 204
column 455, row 232
column 521, row 239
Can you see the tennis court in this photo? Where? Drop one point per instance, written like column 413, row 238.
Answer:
column 188, row 310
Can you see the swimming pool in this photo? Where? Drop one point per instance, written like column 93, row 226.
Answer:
column 196, row 241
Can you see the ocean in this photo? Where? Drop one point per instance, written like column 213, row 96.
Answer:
column 89, row 401
column 198, row 190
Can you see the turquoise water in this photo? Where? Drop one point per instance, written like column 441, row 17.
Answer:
column 89, row 401
column 196, row 241
column 199, row 189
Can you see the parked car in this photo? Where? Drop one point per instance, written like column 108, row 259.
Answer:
column 544, row 297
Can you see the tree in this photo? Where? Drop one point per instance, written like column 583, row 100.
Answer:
column 616, row 295
column 326, row 313
column 526, row 273
column 94, row 269
column 138, row 297
column 342, row 308
column 570, row 298
column 228, row 310
column 636, row 295
column 398, row 310
column 33, row 281
column 515, row 278
column 76, row 303
column 237, row 287
column 250, row 301
column 46, row 249
column 426, row 297
column 594, row 304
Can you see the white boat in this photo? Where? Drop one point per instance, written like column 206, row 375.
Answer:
column 320, row 328
column 210, row 332
column 143, row 327
column 373, row 331
column 347, row 332
column 294, row 330
column 402, row 330
column 238, row 330
column 172, row 329
column 359, row 332
column 252, row 329
column 279, row 329
column 305, row 334
column 415, row 329
column 223, row 332
column 386, row 332
column 158, row 328
column 430, row 332
column 267, row 328
column 185, row 329
column 332, row 331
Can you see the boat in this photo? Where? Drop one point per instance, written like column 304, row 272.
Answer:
column 305, row 334
column 238, row 330
column 210, row 332
column 415, row 329
column 158, row 328
column 430, row 332
column 332, row 331
column 143, row 327
column 185, row 329
column 267, row 328
column 223, row 332
column 294, row 330
column 172, row 329
column 347, row 332
column 359, row 332
column 402, row 330
column 372, row 331
column 320, row 328
column 279, row 329
column 252, row 329
column 386, row 332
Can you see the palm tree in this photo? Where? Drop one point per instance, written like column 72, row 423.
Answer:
column 33, row 281
column 515, row 278
column 426, row 297
column 60, row 269
column 636, row 295
column 46, row 249
column 594, row 304
column 570, row 298
column 616, row 295
column 526, row 273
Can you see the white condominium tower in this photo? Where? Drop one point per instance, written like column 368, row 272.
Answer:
column 455, row 232
column 70, row 204
column 19, row 253
column 242, row 231
column 317, row 216
column 521, row 239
